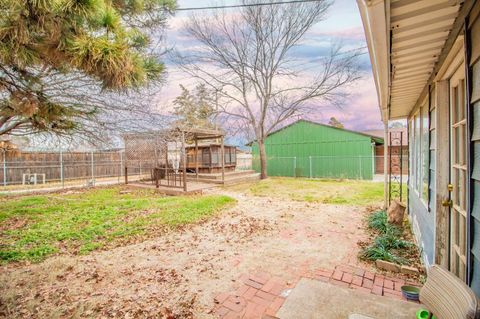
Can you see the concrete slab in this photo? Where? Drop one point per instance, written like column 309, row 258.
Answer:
column 313, row 299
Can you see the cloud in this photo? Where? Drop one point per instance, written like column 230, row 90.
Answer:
column 343, row 25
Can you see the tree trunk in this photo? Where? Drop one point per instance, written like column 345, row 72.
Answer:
column 263, row 159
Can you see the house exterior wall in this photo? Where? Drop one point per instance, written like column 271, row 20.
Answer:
column 420, row 190
column 423, row 224
column 417, row 60
column 474, row 68
column 307, row 149
column 429, row 219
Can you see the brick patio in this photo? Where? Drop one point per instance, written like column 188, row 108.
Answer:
column 261, row 295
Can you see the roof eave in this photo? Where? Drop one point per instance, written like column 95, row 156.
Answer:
column 375, row 19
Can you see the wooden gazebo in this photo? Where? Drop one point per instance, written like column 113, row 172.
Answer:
column 205, row 158
column 215, row 160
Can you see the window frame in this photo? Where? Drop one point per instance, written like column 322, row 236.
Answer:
column 419, row 152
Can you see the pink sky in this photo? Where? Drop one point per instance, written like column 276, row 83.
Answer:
column 360, row 112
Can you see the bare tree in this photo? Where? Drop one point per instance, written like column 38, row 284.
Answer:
column 246, row 56
column 99, row 115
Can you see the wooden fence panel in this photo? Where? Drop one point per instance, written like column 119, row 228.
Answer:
column 76, row 165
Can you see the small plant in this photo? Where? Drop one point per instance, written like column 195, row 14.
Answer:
column 378, row 221
column 387, row 243
column 379, row 251
column 391, row 241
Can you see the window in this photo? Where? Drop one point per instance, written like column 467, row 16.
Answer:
column 425, row 152
column 215, row 157
column 190, row 159
column 227, row 156
column 411, row 151
column 420, row 152
column 206, row 157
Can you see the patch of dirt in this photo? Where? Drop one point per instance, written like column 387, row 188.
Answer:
column 178, row 273
column 13, row 223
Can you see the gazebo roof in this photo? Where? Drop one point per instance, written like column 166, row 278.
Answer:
column 201, row 133
column 190, row 133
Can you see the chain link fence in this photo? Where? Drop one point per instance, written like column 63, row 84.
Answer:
column 37, row 170
column 57, row 170
column 338, row 167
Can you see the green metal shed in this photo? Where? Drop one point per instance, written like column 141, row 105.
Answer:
column 309, row 149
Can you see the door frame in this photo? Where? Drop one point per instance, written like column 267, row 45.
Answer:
column 459, row 203
column 467, row 45
column 454, row 61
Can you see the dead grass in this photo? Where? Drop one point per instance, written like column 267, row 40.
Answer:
column 327, row 191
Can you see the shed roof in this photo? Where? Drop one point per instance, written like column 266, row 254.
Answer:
column 376, row 139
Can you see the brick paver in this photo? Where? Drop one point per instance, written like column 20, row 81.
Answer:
column 261, row 295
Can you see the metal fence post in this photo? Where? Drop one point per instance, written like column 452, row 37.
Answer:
column 4, row 169
column 360, row 163
column 62, row 177
column 310, row 165
column 295, row 166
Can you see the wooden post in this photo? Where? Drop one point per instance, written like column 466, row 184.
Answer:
column 196, row 156
column 126, row 175
column 223, row 160
column 62, row 179
column 184, row 154
column 167, row 176
column 385, row 165
column 121, row 166
column 5, row 168
column 210, row 160
column 92, row 168
column 442, row 179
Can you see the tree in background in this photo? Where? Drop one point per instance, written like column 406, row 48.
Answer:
column 335, row 123
column 64, row 64
column 398, row 124
column 247, row 58
column 197, row 108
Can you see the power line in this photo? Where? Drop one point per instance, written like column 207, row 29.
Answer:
column 244, row 5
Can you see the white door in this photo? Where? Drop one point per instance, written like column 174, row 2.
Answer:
column 458, row 174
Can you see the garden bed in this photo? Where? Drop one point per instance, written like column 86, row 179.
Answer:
column 390, row 247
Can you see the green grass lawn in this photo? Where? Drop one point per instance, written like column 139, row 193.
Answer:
column 34, row 227
column 347, row 192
